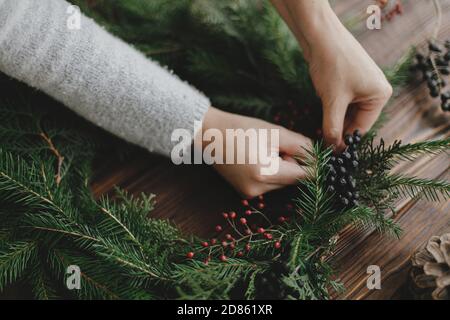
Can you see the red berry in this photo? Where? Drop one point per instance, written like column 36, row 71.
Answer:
column 225, row 215
column 232, row 246
column 213, row 241
column 224, row 243
column 247, row 247
column 261, row 197
column 218, row 228
column 261, row 205
column 205, row 244
column 232, row 215
column 243, row 221
column 248, row 212
column 277, row 245
column 260, row 230
column 228, row 236
column 248, row 231
column 281, row 219
column 240, row 254
column 268, row 236
column 190, row 255
column 223, row 258
column 245, row 202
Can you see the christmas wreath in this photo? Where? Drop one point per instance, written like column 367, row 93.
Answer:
column 50, row 220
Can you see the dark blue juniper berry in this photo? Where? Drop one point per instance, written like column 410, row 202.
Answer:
column 434, row 65
column 340, row 178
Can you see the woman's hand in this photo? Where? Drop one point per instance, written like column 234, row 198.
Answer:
column 351, row 86
column 247, row 178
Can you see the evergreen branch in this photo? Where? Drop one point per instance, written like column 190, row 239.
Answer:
column 415, row 187
column 399, row 74
column 63, row 261
column 132, row 237
column 41, row 284
column 14, row 260
column 57, row 154
column 68, row 233
column 381, row 158
column 127, row 257
column 364, row 217
column 12, row 171
column 412, row 151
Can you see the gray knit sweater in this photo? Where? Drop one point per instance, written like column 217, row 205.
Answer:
column 95, row 74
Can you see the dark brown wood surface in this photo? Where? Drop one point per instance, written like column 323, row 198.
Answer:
column 194, row 196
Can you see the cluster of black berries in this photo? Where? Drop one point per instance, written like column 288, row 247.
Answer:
column 434, row 66
column 340, row 180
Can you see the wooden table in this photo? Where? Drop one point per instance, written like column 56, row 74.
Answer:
column 194, row 196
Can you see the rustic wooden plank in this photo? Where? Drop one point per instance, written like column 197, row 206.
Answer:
column 193, row 196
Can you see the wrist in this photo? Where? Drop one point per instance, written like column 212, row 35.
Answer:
column 319, row 25
column 214, row 119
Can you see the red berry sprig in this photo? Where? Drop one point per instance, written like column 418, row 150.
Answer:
column 247, row 230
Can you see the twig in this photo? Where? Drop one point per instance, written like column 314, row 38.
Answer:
column 58, row 155
column 124, row 227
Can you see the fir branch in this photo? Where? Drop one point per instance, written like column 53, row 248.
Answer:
column 213, row 281
column 380, row 158
column 433, row 190
column 314, row 202
column 57, row 154
column 15, row 257
column 367, row 218
column 398, row 75
column 41, row 284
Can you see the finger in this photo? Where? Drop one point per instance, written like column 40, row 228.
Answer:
column 333, row 121
column 294, row 144
column 363, row 117
column 269, row 187
column 289, row 159
column 288, row 173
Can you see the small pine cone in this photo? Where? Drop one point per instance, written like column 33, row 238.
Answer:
column 431, row 272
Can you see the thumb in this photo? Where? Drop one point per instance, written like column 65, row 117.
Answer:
column 364, row 116
column 333, row 121
column 289, row 173
column 293, row 143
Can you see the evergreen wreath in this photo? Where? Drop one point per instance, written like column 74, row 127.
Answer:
column 50, row 220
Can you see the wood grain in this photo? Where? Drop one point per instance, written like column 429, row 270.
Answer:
column 194, row 196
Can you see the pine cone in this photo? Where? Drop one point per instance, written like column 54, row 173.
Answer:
column 431, row 272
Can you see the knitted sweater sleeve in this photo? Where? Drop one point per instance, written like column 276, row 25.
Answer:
column 95, row 74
